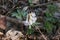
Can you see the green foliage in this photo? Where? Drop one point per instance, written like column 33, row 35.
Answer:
column 35, row 24
column 48, row 14
column 52, row 8
column 30, row 30
column 30, row 1
column 48, row 26
column 19, row 14
column 49, row 18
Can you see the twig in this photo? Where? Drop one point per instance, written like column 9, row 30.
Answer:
column 42, row 35
column 56, row 36
column 12, row 19
column 10, row 10
column 29, row 6
column 43, row 4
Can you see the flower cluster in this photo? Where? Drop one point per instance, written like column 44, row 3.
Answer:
column 31, row 18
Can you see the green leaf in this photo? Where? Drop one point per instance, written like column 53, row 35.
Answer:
column 24, row 14
column 48, row 14
column 19, row 17
column 14, row 14
column 48, row 26
column 19, row 14
column 52, row 8
column 30, row 1
column 35, row 24
column 19, row 11
column 30, row 30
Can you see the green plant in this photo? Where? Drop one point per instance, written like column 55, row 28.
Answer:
column 52, row 8
column 30, row 2
column 49, row 18
column 30, row 20
column 31, row 28
column 48, row 26
column 19, row 14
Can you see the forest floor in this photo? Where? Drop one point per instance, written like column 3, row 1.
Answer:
column 14, row 14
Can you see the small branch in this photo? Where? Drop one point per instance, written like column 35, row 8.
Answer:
column 42, row 35
column 12, row 19
column 44, row 4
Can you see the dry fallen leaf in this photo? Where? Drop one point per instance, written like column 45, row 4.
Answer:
column 1, row 33
column 3, row 22
column 14, row 34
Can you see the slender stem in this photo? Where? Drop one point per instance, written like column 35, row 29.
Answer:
column 29, row 26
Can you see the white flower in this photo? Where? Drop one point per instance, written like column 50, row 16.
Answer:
column 31, row 18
